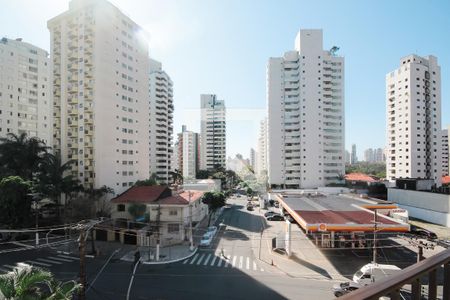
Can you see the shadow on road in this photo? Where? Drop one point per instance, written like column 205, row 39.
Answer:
column 311, row 266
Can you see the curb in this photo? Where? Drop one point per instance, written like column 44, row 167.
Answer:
column 170, row 261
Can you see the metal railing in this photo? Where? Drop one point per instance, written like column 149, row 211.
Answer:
column 390, row 286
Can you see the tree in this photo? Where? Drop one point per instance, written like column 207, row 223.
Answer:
column 249, row 191
column 28, row 282
column 214, row 200
column 137, row 210
column 20, row 155
column 177, row 177
column 147, row 182
column 15, row 201
column 203, row 174
column 52, row 180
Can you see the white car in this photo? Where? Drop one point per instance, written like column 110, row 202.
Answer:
column 206, row 240
column 211, row 231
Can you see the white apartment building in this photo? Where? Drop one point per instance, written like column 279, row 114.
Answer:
column 305, row 95
column 25, row 88
column 252, row 159
column 188, row 153
column 413, row 113
column 374, row 155
column 445, row 151
column 261, row 150
column 100, row 95
column 354, row 157
column 213, row 132
column 161, row 121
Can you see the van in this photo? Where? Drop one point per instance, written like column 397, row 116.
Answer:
column 372, row 272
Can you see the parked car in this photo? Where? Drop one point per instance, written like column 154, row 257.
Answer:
column 249, row 206
column 270, row 213
column 423, row 233
column 275, row 218
column 211, row 231
column 206, row 240
column 340, row 289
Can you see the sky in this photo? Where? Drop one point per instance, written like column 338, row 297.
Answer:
column 222, row 47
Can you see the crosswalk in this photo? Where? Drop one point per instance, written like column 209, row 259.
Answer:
column 222, row 261
column 42, row 262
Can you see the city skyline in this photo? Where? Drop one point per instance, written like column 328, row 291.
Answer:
column 244, row 88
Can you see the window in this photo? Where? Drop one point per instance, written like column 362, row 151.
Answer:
column 120, row 207
column 173, row 228
column 173, row 212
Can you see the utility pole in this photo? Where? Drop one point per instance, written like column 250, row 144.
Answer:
column 158, row 224
column 191, row 239
column 375, row 237
column 82, row 250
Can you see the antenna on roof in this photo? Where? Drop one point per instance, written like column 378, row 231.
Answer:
column 333, row 50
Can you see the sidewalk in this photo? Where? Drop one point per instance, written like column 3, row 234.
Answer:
column 169, row 254
column 306, row 261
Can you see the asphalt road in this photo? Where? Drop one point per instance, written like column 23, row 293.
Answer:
column 228, row 269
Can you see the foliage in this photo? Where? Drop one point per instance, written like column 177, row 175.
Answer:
column 214, row 200
column 249, row 191
column 20, row 155
column 148, row 182
column 228, row 178
column 15, row 201
column 374, row 169
column 28, row 282
column 91, row 203
column 137, row 210
column 177, row 177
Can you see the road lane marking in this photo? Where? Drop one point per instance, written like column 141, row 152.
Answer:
column 49, row 261
column 213, row 260
column 207, row 259
column 241, row 261
column 254, row 266
column 60, row 259
column 220, row 262
column 234, row 261
column 69, row 257
column 248, row 263
column 185, row 262
column 200, row 259
column 38, row 263
column 193, row 259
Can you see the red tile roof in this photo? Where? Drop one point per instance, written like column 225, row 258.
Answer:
column 142, row 194
column 359, row 177
column 181, row 199
column 445, row 179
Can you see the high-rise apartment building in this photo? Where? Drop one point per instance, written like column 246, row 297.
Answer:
column 413, row 113
column 25, row 90
column 354, row 157
column 305, row 95
column 347, row 157
column 252, row 159
column 374, row 155
column 161, row 121
column 100, row 94
column 213, row 132
column 188, row 153
column 369, row 155
column 445, row 151
column 261, row 150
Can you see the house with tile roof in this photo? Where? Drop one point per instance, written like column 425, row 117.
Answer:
column 162, row 208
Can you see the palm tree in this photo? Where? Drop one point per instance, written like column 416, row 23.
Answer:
column 29, row 282
column 20, row 154
column 52, row 179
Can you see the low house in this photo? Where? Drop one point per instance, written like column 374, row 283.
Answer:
column 164, row 215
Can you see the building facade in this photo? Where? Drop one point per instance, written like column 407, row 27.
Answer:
column 374, row 155
column 161, row 121
column 261, row 150
column 252, row 159
column 25, row 90
column 445, row 151
column 305, row 95
column 100, row 94
column 188, row 153
column 354, row 157
column 413, row 113
column 213, row 132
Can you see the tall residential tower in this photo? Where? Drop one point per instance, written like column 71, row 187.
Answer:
column 161, row 121
column 305, row 95
column 413, row 113
column 25, row 88
column 100, row 94
column 213, row 132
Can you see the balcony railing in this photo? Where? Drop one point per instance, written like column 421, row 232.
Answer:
column 391, row 285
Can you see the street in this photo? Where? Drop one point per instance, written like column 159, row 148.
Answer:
column 229, row 268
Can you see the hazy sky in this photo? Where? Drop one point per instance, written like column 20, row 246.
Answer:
column 222, row 47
